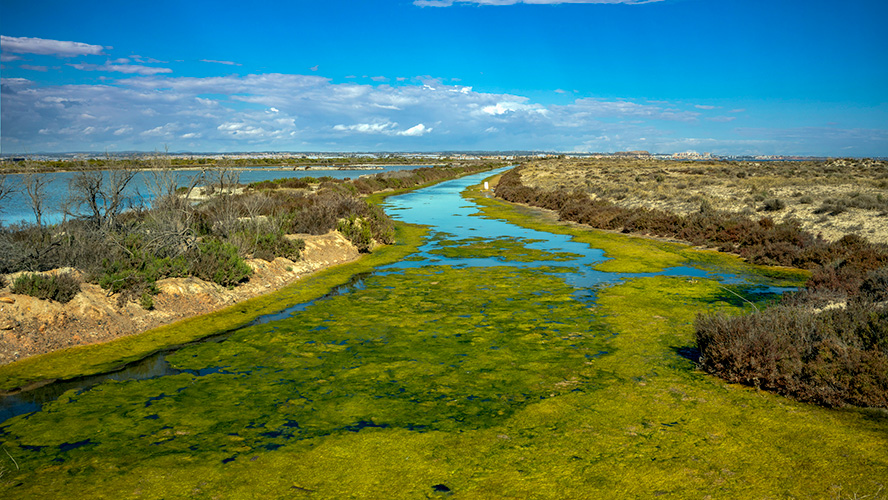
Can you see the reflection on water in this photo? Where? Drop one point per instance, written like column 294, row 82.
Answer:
column 16, row 208
column 460, row 240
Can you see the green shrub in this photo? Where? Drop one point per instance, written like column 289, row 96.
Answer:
column 217, row 261
column 135, row 276
column 267, row 245
column 147, row 301
column 274, row 244
column 357, row 230
column 61, row 287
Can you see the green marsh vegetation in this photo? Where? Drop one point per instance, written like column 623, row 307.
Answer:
column 126, row 247
column 493, row 382
column 835, row 356
column 132, row 278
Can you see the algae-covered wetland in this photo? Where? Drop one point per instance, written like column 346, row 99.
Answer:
column 507, row 357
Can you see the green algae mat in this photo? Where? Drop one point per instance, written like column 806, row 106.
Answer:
column 436, row 379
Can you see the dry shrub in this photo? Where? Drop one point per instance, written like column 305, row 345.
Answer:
column 834, row 357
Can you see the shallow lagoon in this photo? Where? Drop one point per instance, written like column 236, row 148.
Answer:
column 498, row 361
column 17, row 208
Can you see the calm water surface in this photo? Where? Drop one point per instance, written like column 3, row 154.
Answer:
column 16, row 208
column 461, row 242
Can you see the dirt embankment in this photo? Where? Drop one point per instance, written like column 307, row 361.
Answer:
column 30, row 326
column 832, row 198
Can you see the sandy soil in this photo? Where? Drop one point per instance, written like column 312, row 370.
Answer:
column 832, row 198
column 30, row 326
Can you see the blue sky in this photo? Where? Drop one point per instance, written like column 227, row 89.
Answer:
column 724, row 76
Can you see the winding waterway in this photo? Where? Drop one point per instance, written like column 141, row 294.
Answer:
column 461, row 239
column 477, row 333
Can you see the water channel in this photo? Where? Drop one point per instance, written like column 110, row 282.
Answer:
column 486, row 319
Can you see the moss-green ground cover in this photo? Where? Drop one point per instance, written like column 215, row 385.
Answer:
column 504, row 249
column 99, row 358
column 440, row 381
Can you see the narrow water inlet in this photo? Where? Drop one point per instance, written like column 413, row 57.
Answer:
column 153, row 366
column 468, row 239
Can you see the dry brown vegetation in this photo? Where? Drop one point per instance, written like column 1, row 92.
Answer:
column 832, row 198
column 826, row 344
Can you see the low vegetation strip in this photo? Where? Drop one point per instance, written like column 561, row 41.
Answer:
column 208, row 240
column 205, row 229
column 830, row 357
column 100, row 358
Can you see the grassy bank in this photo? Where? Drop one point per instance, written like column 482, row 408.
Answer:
column 92, row 359
column 100, row 358
column 481, row 383
column 828, row 344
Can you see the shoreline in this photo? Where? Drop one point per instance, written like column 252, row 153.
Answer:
column 70, row 362
column 282, row 168
column 66, row 361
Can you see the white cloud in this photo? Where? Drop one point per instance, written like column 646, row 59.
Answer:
column 385, row 128
column 448, row 3
column 129, row 69
column 306, row 112
column 416, row 131
column 366, row 128
column 702, row 106
column 42, row 46
column 4, row 57
column 227, row 63
column 581, row 110
column 146, row 60
column 502, row 108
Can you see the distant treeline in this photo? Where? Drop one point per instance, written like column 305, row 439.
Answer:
column 832, row 357
column 148, row 162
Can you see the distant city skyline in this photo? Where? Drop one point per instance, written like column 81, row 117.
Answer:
column 728, row 77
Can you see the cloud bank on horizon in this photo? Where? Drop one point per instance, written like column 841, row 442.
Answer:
column 66, row 95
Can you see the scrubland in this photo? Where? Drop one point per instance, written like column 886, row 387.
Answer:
column 831, row 198
column 826, row 343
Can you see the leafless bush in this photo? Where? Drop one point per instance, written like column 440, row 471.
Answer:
column 35, row 187
column 169, row 225
column 6, row 190
column 99, row 197
column 834, row 357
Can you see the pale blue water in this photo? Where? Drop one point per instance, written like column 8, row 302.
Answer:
column 17, row 207
column 442, row 208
